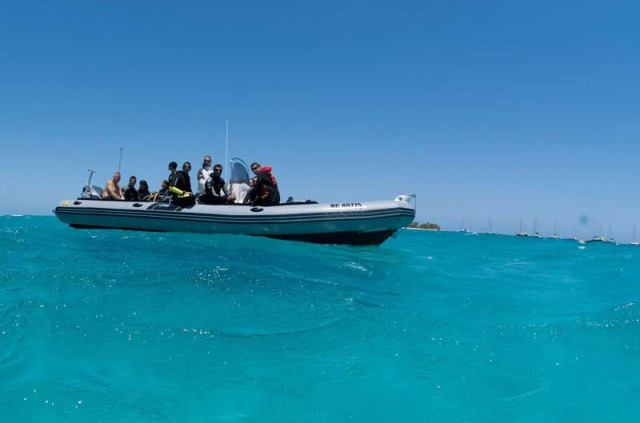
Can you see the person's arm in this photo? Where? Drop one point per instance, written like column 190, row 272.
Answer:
column 202, row 179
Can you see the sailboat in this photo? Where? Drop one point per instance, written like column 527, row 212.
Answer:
column 597, row 238
column 536, row 234
column 611, row 239
column 463, row 229
column 634, row 242
column 490, row 230
column 573, row 232
column 555, row 232
column 521, row 233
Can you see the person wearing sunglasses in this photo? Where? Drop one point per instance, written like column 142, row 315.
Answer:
column 265, row 190
column 216, row 189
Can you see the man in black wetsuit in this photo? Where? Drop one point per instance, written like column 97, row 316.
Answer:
column 131, row 193
column 172, row 168
column 182, row 180
column 265, row 191
column 216, row 190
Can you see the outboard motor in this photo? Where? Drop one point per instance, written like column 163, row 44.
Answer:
column 89, row 192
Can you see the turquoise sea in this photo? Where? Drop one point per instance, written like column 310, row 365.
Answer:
column 116, row 326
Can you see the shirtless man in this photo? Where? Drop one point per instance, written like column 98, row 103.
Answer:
column 112, row 190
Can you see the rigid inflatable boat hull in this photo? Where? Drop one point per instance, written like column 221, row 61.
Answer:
column 339, row 223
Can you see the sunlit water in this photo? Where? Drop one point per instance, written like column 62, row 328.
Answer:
column 120, row 326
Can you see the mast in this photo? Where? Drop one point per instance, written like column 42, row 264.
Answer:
column 120, row 159
column 226, row 151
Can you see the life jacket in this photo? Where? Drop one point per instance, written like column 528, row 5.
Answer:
column 273, row 178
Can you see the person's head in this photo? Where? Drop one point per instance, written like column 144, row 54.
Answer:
column 217, row 168
column 255, row 167
column 186, row 167
column 144, row 185
column 207, row 161
column 132, row 181
column 165, row 184
column 116, row 177
column 173, row 166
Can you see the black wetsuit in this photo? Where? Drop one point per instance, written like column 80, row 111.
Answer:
column 171, row 178
column 182, row 181
column 131, row 194
column 265, row 183
column 143, row 193
column 214, row 191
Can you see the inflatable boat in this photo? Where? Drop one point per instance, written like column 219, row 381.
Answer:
column 356, row 223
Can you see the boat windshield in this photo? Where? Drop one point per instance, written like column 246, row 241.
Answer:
column 239, row 172
column 239, row 180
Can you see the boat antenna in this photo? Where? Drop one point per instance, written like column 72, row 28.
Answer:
column 120, row 159
column 226, row 151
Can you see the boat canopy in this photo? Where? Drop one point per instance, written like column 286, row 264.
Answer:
column 239, row 180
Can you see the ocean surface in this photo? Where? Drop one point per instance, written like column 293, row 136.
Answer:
column 117, row 326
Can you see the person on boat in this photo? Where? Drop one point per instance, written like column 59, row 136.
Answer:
column 172, row 168
column 112, row 190
column 164, row 190
column 203, row 174
column 143, row 191
column 216, row 189
column 182, row 180
column 131, row 193
column 180, row 189
column 265, row 190
column 162, row 195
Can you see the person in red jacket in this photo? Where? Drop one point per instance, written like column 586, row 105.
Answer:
column 265, row 191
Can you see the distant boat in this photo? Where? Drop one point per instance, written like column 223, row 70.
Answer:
column 555, row 232
column 634, row 242
column 463, row 229
column 573, row 233
column 599, row 238
column 521, row 233
column 490, row 230
column 611, row 239
column 536, row 234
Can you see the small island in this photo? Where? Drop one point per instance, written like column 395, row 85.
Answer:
column 424, row 226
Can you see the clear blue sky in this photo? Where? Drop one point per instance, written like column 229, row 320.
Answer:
column 508, row 109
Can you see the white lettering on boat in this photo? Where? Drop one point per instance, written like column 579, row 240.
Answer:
column 345, row 205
